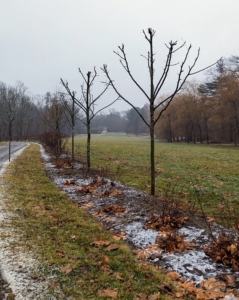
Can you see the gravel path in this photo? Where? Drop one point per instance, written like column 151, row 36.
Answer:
column 17, row 267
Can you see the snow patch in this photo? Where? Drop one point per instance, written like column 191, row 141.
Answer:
column 138, row 236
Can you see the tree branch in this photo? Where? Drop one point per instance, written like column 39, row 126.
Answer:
column 104, row 69
column 126, row 67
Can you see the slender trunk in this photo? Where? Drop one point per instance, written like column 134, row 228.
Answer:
column 72, row 143
column 88, row 119
column 152, row 98
column 88, row 145
column 10, row 140
column 73, row 131
column 152, row 154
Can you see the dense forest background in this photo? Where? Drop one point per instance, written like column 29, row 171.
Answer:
column 205, row 112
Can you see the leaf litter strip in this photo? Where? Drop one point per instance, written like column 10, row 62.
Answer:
column 192, row 265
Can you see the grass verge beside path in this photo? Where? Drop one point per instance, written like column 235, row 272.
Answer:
column 62, row 235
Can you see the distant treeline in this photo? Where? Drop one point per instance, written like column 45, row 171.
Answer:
column 23, row 116
column 206, row 112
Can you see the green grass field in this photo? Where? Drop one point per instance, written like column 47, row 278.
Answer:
column 182, row 169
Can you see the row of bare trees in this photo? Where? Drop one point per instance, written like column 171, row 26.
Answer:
column 207, row 112
column 60, row 109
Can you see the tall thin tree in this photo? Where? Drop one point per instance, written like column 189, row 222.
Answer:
column 155, row 87
column 87, row 103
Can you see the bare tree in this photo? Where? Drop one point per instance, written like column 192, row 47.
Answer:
column 155, row 87
column 87, row 103
column 15, row 102
column 52, row 113
column 71, row 114
column 53, row 117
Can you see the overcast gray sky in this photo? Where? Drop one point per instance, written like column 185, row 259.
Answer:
column 43, row 40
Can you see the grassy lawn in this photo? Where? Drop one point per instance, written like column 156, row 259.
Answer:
column 63, row 235
column 182, row 168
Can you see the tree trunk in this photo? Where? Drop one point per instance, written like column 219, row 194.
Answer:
column 72, row 143
column 88, row 119
column 152, row 150
column 73, row 131
column 10, row 139
column 152, row 99
column 88, row 145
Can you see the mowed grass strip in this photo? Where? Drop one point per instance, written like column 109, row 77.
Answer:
column 62, row 235
column 181, row 169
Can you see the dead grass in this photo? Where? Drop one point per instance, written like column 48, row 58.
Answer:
column 64, row 237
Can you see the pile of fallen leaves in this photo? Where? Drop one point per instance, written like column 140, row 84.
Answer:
column 86, row 189
column 109, row 193
column 169, row 243
column 91, row 188
column 111, row 209
column 165, row 223
column 172, row 243
column 63, row 163
column 224, row 250
column 69, row 182
column 207, row 289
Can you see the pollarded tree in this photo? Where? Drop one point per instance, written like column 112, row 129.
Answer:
column 155, row 86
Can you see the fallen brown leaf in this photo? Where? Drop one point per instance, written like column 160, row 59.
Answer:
column 172, row 275
column 117, row 276
column 60, row 253
column 100, row 243
column 212, row 284
column 69, row 182
column 140, row 296
column 210, row 219
column 166, row 288
column 154, row 256
column 67, row 269
column 154, row 296
column 112, row 247
column 178, row 294
column 229, row 278
column 108, row 293
column 112, row 209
